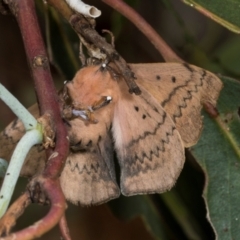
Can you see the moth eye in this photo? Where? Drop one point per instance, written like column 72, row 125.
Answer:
column 108, row 99
column 105, row 100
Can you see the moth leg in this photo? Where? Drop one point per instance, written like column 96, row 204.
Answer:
column 111, row 35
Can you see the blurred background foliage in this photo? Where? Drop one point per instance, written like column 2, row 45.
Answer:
column 180, row 213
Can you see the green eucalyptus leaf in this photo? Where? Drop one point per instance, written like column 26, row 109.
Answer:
column 225, row 12
column 218, row 153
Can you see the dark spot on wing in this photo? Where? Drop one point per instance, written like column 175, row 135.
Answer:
column 136, row 108
column 144, row 116
column 147, row 133
column 158, row 77
column 173, row 79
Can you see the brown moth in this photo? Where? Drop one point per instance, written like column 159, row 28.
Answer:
column 148, row 132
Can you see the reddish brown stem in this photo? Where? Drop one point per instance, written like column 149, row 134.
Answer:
column 210, row 109
column 15, row 211
column 64, row 228
column 168, row 54
column 37, row 57
column 58, row 206
column 25, row 14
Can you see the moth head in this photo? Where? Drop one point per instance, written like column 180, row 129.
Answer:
column 87, row 113
column 91, row 91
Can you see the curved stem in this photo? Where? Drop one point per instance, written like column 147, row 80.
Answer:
column 64, row 228
column 58, row 206
column 15, row 211
column 168, row 54
column 31, row 138
column 46, row 93
column 26, row 117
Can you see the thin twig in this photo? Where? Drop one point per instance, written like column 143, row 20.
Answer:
column 32, row 136
column 83, row 8
column 18, row 109
column 168, row 54
column 85, row 30
column 64, row 228
column 14, row 212
column 48, row 182
column 82, row 26
column 58, row 206
column 29, row 139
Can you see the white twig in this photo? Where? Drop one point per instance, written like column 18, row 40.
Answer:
column 22, row 113
column 30, row 138
column 85, row 9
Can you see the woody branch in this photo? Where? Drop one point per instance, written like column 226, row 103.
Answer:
column 48, row 182
column 168, row 54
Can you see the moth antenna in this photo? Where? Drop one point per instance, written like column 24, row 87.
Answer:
column 112, row 70
column 101, row 103
column 111, row 35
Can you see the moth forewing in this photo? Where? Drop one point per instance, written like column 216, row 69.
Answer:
column 181, row 89
column 148, row 146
